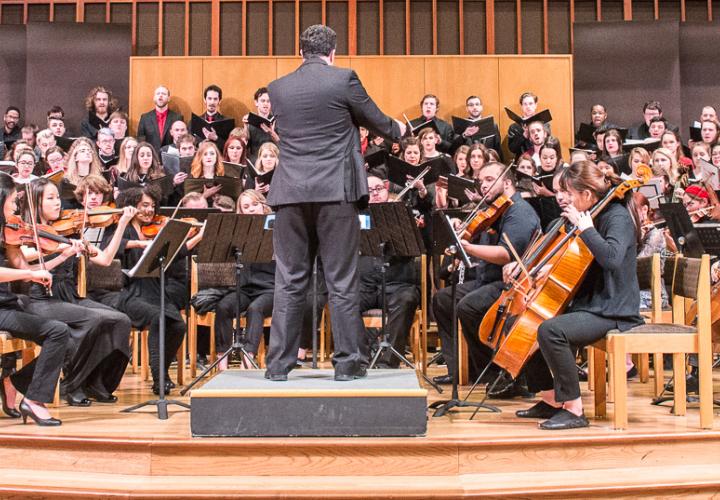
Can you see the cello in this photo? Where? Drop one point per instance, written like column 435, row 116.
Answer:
column 554, row 268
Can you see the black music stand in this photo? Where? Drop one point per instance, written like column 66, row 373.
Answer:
column 456, row 250
column 394, row 233
column 242, row 239
column 154, row 262
column 682, row 230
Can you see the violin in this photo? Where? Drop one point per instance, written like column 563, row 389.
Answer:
column 72, row 221
column 554, row 268
column 151, row 229
column 19, row 232
column 481, row 220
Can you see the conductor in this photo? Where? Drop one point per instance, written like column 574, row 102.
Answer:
column 316, row 191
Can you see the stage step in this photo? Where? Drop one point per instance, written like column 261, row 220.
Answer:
column 701, row 481
column 242, row 403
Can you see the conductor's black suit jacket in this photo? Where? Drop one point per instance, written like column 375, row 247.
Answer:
column 318, row 108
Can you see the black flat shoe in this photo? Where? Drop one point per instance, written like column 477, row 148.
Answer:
column 346, row 377
column 156, row 388
column 510, row 391
column 443, row 379
column 26, row 411
column 10, row 411
column 77, row 401
column 538, row 410
column 276, row 377
column 101, row 398
column 564, row 419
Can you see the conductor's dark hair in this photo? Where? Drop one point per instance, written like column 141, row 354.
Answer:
column 259, row 92
column 319, row 40
column 212, row 88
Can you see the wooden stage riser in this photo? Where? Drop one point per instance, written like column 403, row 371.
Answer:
column 372, row 457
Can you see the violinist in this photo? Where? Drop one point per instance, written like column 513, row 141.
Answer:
column 98, row 351
column 696, row 200
column 140, row 298
column 37, row 379
column 91, row 193
column 609, row 298
column 518, row 222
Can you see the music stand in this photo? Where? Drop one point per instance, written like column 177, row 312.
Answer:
column 456, row 250
column 681, row 228
column 394, row 233
column 154, row 262
column 242, row 239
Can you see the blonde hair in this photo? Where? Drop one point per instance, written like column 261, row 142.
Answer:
column 674, row 173
column 270, row 146
column 71, row 171
column 196, row 167
column 122, row 165
column 254, row 196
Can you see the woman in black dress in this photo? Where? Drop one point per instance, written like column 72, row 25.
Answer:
column 37, row 379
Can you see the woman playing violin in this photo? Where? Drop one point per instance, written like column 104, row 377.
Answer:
column 140, row 299
column 609, row 298
column 36, row 380
column 98, row 351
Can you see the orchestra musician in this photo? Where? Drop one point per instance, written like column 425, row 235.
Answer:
column 518, row 223
column 609, row 298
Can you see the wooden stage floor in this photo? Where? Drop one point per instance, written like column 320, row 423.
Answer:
column 100, row 452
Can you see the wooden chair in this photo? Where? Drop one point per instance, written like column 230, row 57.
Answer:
column 207, row 275
column 691, row 282
column 418, row 329
column 28, row 351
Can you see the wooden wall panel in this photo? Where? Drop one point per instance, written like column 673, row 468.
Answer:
column 453, row 79
column 240, row 83
column 395, row 83
column 554, row 88
column 183, row 76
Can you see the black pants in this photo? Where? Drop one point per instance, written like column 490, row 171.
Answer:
column 473, row 303
column 256, row 306
column 98, row 351
column 402, row 302
column 301, row 231
column 37, row 379
column 559, row 339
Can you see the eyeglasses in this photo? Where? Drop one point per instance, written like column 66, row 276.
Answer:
column 376, row 190
column 25, row 163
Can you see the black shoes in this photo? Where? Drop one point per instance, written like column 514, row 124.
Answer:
column 512, row 390
column 276, row 377
column 538, row 410
column 77, row 398
column 443, row 379
column 564, row 419
column 10, row 411
column 101, row 398
column 26, row 411
column 346, row 377
column 156, row 387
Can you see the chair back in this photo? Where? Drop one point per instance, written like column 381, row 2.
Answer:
column 104, row 278
column 211, row 275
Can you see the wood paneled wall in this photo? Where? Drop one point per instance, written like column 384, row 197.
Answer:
column 364, row 27
column 395, row 83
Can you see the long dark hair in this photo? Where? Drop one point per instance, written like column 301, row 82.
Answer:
column 7, row 188
column 37, row 189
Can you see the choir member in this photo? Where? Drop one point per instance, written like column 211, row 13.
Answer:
column 154, row 126
column 100, row 104
column 429, row 106
column 256, row 137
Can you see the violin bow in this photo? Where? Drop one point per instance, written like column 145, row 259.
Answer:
column 33, row 223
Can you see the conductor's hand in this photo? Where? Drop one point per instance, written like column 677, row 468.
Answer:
column 403, row 126
column 41, row 276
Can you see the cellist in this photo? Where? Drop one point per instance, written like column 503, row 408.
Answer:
column 518, row 222
column 608, row 298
